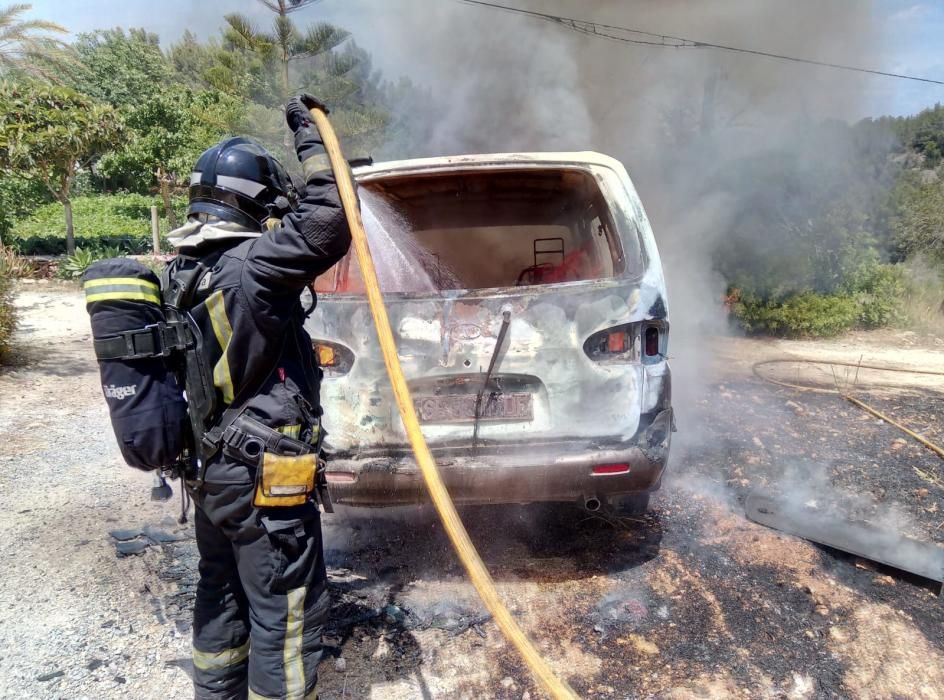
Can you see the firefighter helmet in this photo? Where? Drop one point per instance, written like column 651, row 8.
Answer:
column 240, row 181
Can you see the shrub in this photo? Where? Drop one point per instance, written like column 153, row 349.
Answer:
column 805, row 314
column 18, row 199
column 56, row 245
column 122, row 220
column 872, row 296
column 878, row 291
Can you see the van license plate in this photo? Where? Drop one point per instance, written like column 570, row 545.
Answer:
column 460, row 408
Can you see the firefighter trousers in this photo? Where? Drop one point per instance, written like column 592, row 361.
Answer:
column 261, row 599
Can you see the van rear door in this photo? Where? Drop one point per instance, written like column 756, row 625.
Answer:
column 460, row 254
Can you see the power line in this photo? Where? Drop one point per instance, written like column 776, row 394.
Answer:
column 283, row 7
column 644, row 38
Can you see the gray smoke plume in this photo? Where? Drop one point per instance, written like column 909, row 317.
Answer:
column 503, row 82
column 675, row 117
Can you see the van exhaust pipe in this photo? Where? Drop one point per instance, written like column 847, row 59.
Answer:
column 592, row 504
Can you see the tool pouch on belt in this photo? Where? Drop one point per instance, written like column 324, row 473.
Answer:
column 289, row 471
column 286, row 481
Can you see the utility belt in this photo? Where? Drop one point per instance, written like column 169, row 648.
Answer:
column 288, row 471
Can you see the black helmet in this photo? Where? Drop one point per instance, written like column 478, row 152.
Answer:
column 240, row 181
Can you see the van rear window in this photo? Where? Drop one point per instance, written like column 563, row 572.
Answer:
column 484, row 229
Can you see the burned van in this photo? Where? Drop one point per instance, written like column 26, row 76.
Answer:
column 529, row 308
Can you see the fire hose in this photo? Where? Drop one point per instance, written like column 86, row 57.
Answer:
column 456, row 531
column 755, row 368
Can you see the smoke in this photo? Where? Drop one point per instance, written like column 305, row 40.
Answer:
column 691, row 126
column 675, row 117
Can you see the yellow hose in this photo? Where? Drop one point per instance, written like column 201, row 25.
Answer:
column 437, row 489
column 907, row 431
column 755, row 368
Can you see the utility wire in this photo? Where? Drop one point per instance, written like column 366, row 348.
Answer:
column 643, row 38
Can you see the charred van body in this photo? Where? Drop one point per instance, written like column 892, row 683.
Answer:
column 529, row 307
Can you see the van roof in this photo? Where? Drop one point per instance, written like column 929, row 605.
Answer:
column 459, row 162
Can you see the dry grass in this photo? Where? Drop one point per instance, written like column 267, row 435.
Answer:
column 11, row 267
column 923, row 306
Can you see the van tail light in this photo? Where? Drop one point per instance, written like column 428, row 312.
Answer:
column 340, row 477
column 616, row 343
column 651, row 342
column 333, row 358
column 631, row 342
column 612, row 344
column 327, row 355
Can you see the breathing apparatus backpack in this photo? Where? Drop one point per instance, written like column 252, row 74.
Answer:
column 148, row 356
column 159, row 389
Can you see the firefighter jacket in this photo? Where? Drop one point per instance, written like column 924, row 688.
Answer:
column 249, row 313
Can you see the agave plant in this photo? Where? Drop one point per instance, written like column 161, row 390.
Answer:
column 74, row 265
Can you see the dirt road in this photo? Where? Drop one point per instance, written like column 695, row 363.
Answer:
column 691, row 601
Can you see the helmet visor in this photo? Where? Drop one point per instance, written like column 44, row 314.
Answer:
column 227, row 205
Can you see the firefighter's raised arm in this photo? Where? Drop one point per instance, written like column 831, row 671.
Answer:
column 312, row 236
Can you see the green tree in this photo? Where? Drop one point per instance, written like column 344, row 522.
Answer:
column 921, row 134
column 49, row 133
column 120, row 68
column 262, row 68
column 802, row 218
column 286, row 41
column 165, row 135
column 283, row 8
column 405, row 135
column 25, row 45
column 918, row 219
column 280, row 50
column 191, row 60
column 361, row 110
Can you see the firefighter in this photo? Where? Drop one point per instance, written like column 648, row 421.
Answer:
column 261, row 600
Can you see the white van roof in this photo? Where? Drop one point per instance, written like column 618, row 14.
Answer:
column 582, row 158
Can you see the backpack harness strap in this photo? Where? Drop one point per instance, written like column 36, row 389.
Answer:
column 155, row 340
column 179, row 283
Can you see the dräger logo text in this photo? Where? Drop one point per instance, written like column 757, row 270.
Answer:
column 119, row 392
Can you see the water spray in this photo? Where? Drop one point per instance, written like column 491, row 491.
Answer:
column 468, row 555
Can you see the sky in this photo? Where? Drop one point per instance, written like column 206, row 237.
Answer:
column 911, row 31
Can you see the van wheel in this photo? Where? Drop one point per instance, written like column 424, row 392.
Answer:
column 622, row 506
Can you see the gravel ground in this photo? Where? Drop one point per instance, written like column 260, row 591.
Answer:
column 75, row 621
column 690, row 601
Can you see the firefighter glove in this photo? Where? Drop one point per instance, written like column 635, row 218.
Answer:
column 308, row 143
column 298, row 111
